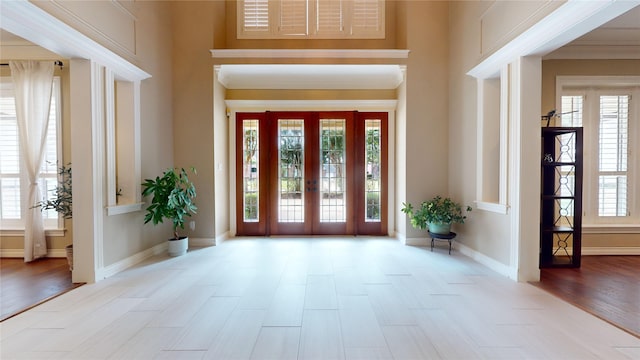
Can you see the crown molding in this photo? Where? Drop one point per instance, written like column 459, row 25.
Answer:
column 309, row 53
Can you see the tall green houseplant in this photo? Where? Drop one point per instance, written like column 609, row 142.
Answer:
column 172, row 198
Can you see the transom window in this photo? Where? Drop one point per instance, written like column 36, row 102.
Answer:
column 320, row 19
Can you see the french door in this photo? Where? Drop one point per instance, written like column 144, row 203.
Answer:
column 304, row 173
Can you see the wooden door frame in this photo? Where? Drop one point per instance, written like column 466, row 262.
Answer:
column 355, row 224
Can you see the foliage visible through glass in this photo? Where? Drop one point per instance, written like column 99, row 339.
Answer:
column 372, row 167
column 332, row 178
column 251, row 170
column 291, row 170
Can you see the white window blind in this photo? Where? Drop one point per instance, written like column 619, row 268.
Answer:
column 612, row 155
column 367, row 17
column 605, row 115
column 321, row 19
column 9, row 152
column 10, row 180
column 255, row 15
column 293, row 17
column 571, row 114
column 329, row 16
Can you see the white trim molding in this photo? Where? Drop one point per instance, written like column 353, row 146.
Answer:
column 500, row 268
column 286, row 105
column 124, row 208
column 201, row 242
column 492, row 207
column 309, row 53
column 20, row 232
column 610, row 250
column 610, row 229
column 124, row 264
column 19, row 253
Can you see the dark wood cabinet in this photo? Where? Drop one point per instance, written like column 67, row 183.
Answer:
column 561, row 197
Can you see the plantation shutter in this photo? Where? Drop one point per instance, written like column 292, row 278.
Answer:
column 367, row 18
column 9, row 155
column 293, row 17
column 612, row 155
column 255, row 16
column 329, row 17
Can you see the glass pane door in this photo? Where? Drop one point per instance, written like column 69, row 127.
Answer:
column 303, row 173
column 332, row 170
column 291, row 168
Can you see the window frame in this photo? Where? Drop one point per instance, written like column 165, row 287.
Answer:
column 591, row 88
column 272, row 30
column 15, row 227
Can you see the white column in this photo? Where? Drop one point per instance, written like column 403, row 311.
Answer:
column 87, row 156
column 524, row 163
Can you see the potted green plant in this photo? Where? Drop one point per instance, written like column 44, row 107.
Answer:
column 172, row 199
column 61, row 202
column 436, row 214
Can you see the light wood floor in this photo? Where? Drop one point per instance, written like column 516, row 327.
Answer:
column 314, row 298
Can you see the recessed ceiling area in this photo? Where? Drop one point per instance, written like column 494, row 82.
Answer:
column 320, row 77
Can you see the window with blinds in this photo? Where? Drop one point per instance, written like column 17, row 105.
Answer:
column 320, row 19
column 255, row 16
column 605, row 115
column 11, row 182
column 612, row 155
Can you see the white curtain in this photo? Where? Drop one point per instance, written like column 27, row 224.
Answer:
column 32, row 82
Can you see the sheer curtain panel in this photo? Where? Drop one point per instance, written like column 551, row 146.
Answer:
column 32, row 81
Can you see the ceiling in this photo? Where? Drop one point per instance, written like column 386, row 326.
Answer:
column 619, row 36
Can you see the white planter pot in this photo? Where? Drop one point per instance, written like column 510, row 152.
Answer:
column 178, row 247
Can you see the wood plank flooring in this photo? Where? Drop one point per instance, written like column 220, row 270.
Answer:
column 23, row 285
column 606, row 286
column 311, row 298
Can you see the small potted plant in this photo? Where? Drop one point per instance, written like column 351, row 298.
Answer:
column 61, row 202
column 436, row 214
column 172, row 199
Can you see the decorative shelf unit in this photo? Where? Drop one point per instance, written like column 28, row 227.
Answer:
column 561, row 197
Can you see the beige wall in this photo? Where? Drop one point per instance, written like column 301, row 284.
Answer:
column 476, row 30
column 484, row 231
column 193, row 28
column 125, row 235
column 426, row 129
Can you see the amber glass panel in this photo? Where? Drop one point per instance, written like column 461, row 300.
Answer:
column 291, row 171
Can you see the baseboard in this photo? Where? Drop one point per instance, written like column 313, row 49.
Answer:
column 222, row 238
column 199, row 242
column 19, row 253
column 491, row 263
column 610, row 251
column 123, row 264
column 414, row 241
